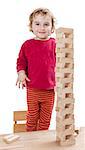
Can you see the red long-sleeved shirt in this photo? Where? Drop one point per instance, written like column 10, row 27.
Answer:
column 38, row 60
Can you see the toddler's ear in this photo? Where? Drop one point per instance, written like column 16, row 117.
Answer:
column 52, row 31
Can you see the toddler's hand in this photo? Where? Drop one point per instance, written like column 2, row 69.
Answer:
column 22, row 78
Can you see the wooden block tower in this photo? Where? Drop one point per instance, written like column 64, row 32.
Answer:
column 65, row 99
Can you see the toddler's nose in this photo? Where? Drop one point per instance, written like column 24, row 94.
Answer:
column 42, row 27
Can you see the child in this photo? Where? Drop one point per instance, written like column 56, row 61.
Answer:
column 36, row 70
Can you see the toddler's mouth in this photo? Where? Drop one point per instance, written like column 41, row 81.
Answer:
column 42, row 32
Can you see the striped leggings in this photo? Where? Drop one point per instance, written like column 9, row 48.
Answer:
column 40, row 105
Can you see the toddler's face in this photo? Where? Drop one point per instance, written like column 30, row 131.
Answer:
column 42, row 26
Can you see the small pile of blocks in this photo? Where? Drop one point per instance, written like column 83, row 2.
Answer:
column 65, row 99
column 10, row 138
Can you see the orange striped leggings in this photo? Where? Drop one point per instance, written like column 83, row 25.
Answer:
column 40, row 105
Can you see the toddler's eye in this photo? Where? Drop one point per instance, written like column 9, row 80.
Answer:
column 37, row 24
column 46, row 24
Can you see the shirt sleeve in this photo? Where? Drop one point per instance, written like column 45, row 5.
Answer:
column 21, row 60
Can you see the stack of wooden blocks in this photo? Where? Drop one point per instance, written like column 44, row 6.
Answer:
column 65, row 99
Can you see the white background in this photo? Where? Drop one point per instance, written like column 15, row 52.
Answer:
column 14, row 31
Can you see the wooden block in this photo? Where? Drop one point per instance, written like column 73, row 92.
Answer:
column 65, row 95
column 64, row 60
column 61, row 101
column 64, row 65
column 64, row 30
column 64, row 45
column 62, row 122
column 60, row 35
column 60, row 74
column 64, row 70
column 68, row 85
column 59, row 107
column 69, row 79
column 63, row 81
column 68, row 142
column 19, row 127
column 67, row 90
column 19, row 115
column 61, row 55
column 66, row 139
column 70, row 50
column 11, row 138
column 60, row 45
column 68, row 75
column 70, row 35
column 64, row 102
column 65, row 108
column 64, row 35
column 70, row 45
column 64, row 90
column 68, row 60
column 65, row 40
column 66, row 127
column 63, row 128
column 62, row 133
column 64, row 75
column 65, row 114
column 68, row 55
